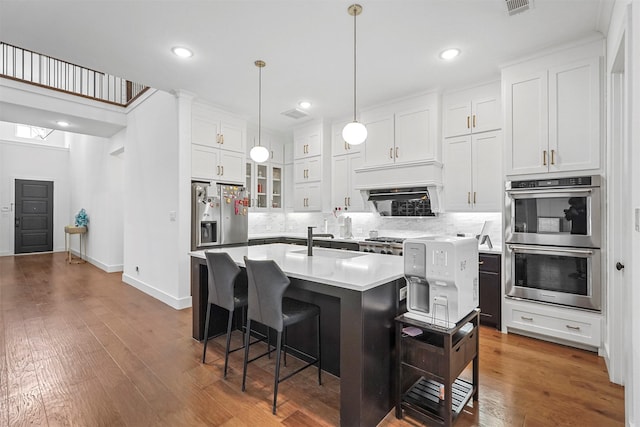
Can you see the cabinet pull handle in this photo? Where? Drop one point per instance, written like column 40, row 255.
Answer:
column 480, row 262
column 474, row 197
column 391, row 153
column 474, row 120
column 575, row 328
column 217, row 138
column 222, row 138
column 468, row 197
column 526, row 318
column 222, row 168
column 349, row 200
column 468, row 126
column 544, row 158
column 397, row 155
column 218, row 170
column 553, row 157
column 272, row 154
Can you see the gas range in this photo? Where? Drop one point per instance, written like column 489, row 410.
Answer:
column 382, row 245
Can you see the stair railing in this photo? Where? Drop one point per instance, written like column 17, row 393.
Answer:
column 44, row 71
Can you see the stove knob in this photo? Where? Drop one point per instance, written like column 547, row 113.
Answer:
column 400, row 253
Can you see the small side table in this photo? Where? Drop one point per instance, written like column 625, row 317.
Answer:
column 68, row 230
column 428, row 367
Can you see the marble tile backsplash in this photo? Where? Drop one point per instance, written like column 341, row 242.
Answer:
column 362, row 223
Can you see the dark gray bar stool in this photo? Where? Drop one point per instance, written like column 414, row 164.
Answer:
column 225, row 293
column 267, row 305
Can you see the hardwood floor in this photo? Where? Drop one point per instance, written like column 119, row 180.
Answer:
column 79, row 347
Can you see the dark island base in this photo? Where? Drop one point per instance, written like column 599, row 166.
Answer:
column 358, row 339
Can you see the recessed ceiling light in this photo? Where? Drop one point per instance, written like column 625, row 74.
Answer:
column 304, row 104
column 449, row 53
column 182, row 52
column 62, row 123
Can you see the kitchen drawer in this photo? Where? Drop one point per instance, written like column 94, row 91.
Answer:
column 424, row 356
column 489, row 263
column 429, row 356
column 566, row 324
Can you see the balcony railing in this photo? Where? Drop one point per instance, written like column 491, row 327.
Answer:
column 44, row 71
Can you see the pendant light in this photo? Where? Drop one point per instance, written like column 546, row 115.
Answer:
column 354, row 133
column 259, row 153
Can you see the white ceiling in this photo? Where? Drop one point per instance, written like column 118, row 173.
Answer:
column 307, row 45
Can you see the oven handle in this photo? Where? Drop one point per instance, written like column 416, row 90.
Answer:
column 516, row 248
column 528, row 191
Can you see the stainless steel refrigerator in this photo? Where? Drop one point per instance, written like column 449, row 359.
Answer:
column 219, row 215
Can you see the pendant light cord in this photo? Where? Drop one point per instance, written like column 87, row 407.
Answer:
column 354, row 66
column 260, row 106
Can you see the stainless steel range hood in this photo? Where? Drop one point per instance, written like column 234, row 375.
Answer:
column 403, row 202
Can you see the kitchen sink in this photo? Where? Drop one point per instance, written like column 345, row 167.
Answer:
column 331, row 253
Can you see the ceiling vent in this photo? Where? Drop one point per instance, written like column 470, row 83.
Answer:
column 295, row 113
column 517, row 6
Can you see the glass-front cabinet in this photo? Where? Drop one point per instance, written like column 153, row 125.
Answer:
column 276, row 187
column 264, row 185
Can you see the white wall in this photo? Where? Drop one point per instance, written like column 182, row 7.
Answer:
column 151, row 186
column 37, row 162
column 97, row 186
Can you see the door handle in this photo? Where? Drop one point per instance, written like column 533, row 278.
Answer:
column 619, row 266
column 391, row 153
column 553, row 157
column 397, row 155
column 468, row 127
column 474, row 120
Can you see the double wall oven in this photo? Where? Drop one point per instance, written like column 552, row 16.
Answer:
column 553, row 238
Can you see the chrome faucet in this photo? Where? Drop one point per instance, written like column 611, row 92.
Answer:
column 310, row 237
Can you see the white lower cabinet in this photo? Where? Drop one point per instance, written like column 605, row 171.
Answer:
column 473, row 173
column 559, row 323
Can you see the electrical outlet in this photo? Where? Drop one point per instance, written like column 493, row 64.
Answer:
column 172, row 216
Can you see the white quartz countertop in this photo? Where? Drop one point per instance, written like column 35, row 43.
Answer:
column 358, row 271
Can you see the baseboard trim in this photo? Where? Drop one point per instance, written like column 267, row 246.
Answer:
column 102, row 266
column 170, row 300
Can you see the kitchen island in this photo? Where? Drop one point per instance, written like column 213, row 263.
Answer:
column 358, row 294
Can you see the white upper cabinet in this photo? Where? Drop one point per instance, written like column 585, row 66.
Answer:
column 472, row 110
column 526, row 124
column 338, row 144
column 307, row 142
column 402, row 132
column 473, row 173
column 213, row 129
column 574, row 116
column 553, row 112
column 344, row 196
column 311, row 167
column 217, row 145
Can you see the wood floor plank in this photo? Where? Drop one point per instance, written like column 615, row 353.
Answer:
column 79, row 347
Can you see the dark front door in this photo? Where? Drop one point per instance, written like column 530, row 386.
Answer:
column 34, row 216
